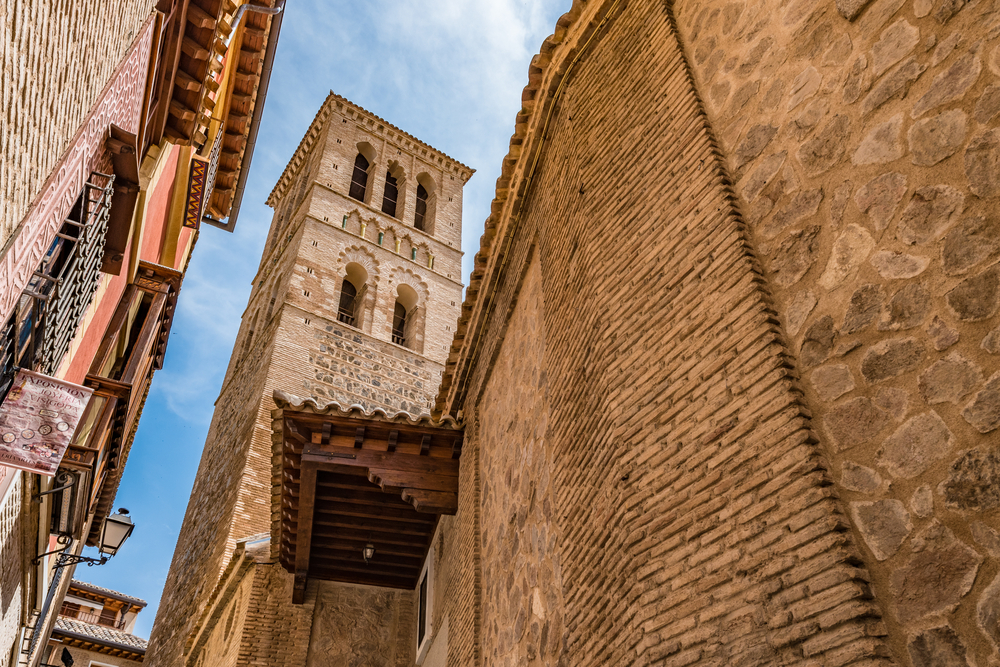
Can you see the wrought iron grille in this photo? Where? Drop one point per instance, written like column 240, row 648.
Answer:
column 75, row 288
column 38, row 333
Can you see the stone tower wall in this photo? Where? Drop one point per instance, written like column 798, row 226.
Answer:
column 298, row 345
column 56, row 56
column 864, row 139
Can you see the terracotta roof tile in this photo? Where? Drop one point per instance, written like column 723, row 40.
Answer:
column 99, row 634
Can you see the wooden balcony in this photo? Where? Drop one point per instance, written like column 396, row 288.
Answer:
column 345, row 478
column 131, row 350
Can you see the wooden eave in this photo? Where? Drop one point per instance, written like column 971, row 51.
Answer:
column 248, row 48
column 98, row 646
column 347, row 478
column 193, row 43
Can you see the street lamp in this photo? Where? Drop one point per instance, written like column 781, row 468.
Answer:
column 114, row 532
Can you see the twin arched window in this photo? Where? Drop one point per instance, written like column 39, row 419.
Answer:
column 392, row 194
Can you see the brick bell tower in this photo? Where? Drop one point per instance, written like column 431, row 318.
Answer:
column 355, row 301
column 365, row 250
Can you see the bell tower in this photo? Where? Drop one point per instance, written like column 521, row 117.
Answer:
column 373, row 217
column 355, row 301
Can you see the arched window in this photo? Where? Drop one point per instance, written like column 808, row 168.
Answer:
column 421, row 214
column 348, row 303
column 359, row 179
column 423, row 218
column 353, row 293
column 407, row 318
column 399, row 324
column 390, row 195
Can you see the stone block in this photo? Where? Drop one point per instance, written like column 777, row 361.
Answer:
column 915, row 445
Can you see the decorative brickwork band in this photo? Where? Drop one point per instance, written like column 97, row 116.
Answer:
column 120, row 104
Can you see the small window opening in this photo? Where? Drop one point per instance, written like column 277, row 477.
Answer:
column 348, row 299
column 359, row 179
column 421, row 214
column 399, row 324
column 390, row 195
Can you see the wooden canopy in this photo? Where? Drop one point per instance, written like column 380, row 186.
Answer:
column 346, row 478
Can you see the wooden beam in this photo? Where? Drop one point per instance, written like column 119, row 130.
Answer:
column 326, row 535
column 199, row 17
column 322, row 543
column 307, row 498
column 193, row 48
column 324, row 520
column 334, row 555
column 433, row 502
column 351, row 577
column 425, row 445
column 397, row 480
column 359, row 436
column 393, row 436
column 372, row 510
column 342, row 456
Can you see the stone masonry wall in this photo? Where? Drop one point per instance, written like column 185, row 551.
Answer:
column 522, row 595
column 864, row 139
column 361, row 625
column 56, row 58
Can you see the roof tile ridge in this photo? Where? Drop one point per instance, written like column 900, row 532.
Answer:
column 290, row 401
column 526, row 121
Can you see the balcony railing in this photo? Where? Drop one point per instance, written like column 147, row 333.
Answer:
column 44, row 322
column 94, row 617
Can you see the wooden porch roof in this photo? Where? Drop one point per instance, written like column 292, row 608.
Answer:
column 344, row 478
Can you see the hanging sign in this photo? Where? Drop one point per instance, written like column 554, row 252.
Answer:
column 37, row 421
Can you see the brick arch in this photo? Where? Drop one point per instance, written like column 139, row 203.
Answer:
column 362, row 256
column 403, row 276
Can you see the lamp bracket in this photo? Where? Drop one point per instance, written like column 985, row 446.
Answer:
column 61, row 478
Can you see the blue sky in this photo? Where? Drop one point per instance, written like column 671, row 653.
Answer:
column 450, row 72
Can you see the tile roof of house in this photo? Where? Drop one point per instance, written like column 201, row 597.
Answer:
column 83, row 585
column 99, row 634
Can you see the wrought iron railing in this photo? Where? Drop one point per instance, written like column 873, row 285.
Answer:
column 38, row 333
column 80, row 278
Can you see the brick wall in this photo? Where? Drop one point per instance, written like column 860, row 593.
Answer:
column 694, row 519
column 865, row 152
column 275, row 633
column 57, row 56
